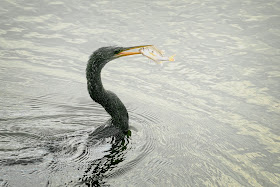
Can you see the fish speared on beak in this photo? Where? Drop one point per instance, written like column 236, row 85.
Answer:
column 148, row 51
column 126, row 51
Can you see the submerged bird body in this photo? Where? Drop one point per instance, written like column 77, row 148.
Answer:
column 110, row 101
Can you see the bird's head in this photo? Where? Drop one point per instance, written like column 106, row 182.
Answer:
column 105, row 54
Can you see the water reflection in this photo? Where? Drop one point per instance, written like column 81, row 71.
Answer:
column 99, row 169
column 90, row 157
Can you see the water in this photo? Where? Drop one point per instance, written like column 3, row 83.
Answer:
column 211, row 118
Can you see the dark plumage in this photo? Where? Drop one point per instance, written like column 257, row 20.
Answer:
column 110, row 101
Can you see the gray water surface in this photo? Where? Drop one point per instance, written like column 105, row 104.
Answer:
column 211, row 118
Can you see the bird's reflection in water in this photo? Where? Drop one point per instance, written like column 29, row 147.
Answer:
column 98, row 169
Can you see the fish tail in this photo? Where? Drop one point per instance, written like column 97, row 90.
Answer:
column 172, row 58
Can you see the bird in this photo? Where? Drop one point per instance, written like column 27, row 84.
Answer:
column 107, row 99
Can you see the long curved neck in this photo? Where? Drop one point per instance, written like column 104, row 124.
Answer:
column 110, row 101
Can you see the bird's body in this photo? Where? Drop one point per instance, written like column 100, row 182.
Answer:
column 110, row 101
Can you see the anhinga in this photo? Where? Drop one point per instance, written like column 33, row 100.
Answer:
column 110, row 101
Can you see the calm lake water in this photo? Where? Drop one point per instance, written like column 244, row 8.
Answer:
column 211, row 118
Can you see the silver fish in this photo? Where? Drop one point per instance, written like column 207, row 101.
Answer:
column 155, row 54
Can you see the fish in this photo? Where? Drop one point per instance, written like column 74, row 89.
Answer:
column 155, row 54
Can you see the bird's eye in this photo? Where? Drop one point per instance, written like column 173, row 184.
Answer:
column 118, row 51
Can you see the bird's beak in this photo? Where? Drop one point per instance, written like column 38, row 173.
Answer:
column 126, row 51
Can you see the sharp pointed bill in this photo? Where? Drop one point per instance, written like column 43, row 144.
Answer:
column 126, row 52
